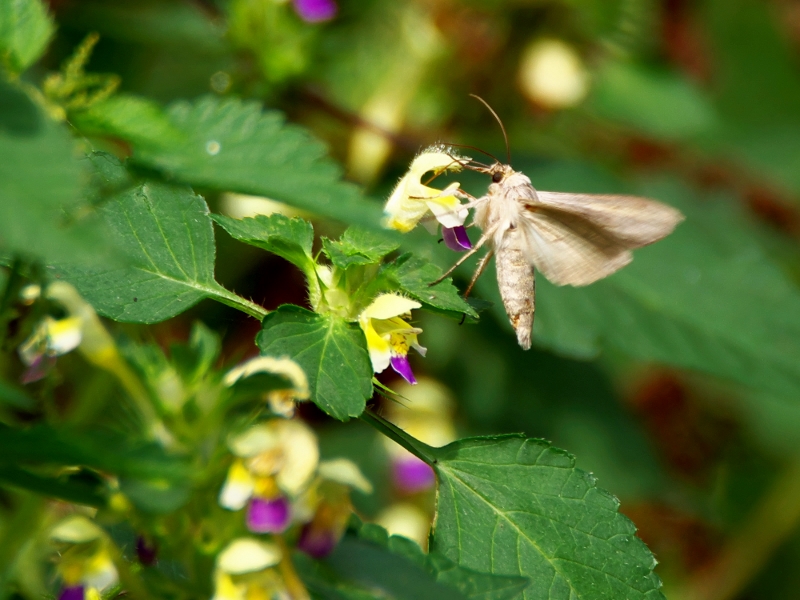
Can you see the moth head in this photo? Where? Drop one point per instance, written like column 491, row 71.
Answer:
column 499, row 172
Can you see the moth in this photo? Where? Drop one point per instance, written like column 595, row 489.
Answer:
column 572, row 239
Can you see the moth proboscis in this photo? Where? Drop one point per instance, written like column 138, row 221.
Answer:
column 573, row 239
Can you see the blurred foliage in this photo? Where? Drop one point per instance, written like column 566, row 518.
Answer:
column 674, row 382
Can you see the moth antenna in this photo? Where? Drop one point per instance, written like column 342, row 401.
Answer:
column 505, row 135
column 492, row 156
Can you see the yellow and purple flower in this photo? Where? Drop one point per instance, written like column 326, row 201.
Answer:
column 85, row 562
column 276, row 461
column 389, row 337
column 412, row 200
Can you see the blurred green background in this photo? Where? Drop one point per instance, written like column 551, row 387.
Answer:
column 676, row 381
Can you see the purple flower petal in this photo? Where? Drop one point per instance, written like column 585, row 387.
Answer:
column 402, row 367
column 268, row 516
column 145, row 551
column 456, row 238
column 72, row 593
column 412, row 475
column 38, row 369
column 316, row 541
column 314, row 11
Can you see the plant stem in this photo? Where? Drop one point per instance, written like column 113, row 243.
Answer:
column 422, row 451
column 744, row 555
column 236, row 301
column 294, row 585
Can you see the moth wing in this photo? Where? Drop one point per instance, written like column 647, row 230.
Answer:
column 631, row 220
column 568, row 250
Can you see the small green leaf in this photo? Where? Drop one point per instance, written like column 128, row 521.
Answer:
column 25, row 31
column 413, row 276
column 166, row 235
column 330, row 350
column 291, row 239
column 359, row 246
column 230, row 145
column 514, row 506
column 128, row 117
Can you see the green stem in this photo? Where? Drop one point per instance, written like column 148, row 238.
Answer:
column 422, row 451
column 235, row 301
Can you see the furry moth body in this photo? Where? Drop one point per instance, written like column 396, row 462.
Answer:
column 573, row 239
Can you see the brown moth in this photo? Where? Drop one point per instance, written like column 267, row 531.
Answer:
column 573, row 239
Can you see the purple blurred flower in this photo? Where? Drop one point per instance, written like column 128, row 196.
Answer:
column 315, row 11
column 268, row 516
column 317, row 541
column 72, row 593
column 145, row 551
column 411, row 475
column 456, row 238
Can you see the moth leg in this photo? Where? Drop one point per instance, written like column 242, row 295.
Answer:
column 484, row 238
column 479, row 271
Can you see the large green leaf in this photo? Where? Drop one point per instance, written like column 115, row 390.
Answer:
column 232, row 145
column 370, row 538
column 154, row 480
column 657, row 103
column 167, row 237
column 25, row 31
column 39, row 185
column 515, row 506
column 291, row 239
column 331, row 351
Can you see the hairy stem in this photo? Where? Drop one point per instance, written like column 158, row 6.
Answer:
column 420, row 450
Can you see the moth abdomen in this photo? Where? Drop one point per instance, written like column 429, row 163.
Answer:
column 516, row 283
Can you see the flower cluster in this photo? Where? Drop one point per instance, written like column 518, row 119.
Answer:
column 412, row 200
column 278, row 477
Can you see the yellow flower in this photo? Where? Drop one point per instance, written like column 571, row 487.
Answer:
column 281, row 402
column 244, row 571
column 411, row 199
column 388, row 336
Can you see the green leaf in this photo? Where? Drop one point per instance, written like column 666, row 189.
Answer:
column 88, row 491
column 131, row 118
column 660, row 104
column 291, row 239
column 359, row 246
column 230, row 145
column 45, row 446
column 167, row 237
column 413, row 276
column 471, row 584
column 331, row 351
column 25, row 31
column 514, row 506
column 39, row 186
